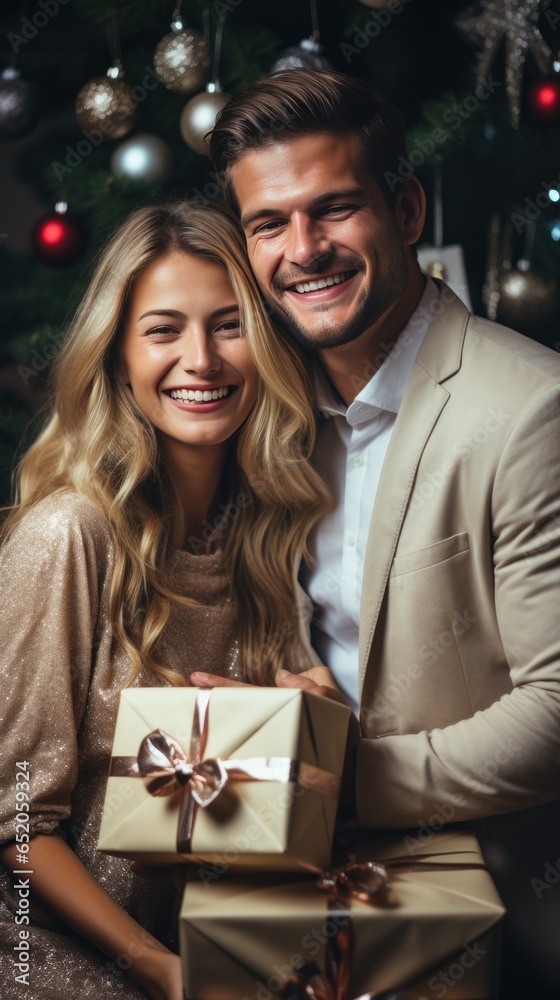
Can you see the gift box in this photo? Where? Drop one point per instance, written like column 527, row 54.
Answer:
column 245, row 777
column 434, row 933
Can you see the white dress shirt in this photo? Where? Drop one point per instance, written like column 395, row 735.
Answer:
column 351, row 447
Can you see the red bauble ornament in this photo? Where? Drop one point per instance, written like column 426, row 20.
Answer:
column 544, row 99
column 58, row 238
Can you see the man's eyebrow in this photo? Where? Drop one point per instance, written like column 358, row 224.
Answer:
column 259, row 213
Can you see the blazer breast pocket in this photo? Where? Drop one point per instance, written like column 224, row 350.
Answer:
column 430, row 555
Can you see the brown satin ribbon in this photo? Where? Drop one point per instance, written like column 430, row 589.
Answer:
column 162, row 760
column 368, row 882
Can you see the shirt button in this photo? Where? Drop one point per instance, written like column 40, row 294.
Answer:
column 358, row 462
column 350, row 540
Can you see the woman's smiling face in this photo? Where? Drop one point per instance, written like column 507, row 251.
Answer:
column 184, row 355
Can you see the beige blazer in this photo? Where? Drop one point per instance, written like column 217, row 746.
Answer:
column 460, row 616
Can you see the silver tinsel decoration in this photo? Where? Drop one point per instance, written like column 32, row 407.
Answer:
column 515, row 21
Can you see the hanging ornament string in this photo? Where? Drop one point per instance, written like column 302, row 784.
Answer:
column 198, row 116
column 438, row 207
column 114, row 43
column 306, row 55
column 215, row 78
column 206, row 23
column 315, row 34
column 491, row 289
column 436, row 268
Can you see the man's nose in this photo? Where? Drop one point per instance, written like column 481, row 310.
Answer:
column 308, row 243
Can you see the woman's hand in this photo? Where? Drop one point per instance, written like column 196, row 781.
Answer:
column 62, row 883
column 158, row 974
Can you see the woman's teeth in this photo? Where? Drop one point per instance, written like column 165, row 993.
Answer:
column 199, row 395
column 314, row 286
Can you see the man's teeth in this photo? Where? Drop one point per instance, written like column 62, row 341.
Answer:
column 199, row 395
column 314, row 286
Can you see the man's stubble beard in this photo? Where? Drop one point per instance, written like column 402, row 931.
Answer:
column 365, row 313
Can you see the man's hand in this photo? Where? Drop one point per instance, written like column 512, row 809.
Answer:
column 322, row 682
column 318, row 680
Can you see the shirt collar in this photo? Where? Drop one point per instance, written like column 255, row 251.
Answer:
column 386, row 388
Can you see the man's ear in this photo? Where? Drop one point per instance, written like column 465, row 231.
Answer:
column 410, row 209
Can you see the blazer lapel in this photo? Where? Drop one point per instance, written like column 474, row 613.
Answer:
column 439, row 357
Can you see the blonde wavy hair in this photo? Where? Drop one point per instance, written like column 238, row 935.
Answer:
column 98, row 443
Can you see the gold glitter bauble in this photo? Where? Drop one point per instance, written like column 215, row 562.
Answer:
column 198, row 117
column 182, row 61
column 526, row 300
column 108, row 105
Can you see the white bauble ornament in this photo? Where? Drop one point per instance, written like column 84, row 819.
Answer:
column 143, row 157
column 199, row 115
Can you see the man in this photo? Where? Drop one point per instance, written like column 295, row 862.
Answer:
column 436, row 574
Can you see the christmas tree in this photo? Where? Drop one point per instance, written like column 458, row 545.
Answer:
column 483, row 110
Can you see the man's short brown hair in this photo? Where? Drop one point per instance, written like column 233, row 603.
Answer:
column 299, row 102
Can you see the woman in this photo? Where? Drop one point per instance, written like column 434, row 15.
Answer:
column 159, row 519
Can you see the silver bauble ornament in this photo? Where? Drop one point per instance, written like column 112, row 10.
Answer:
column 198, row 117
column 142, row 157
column 182, row 61
column 106, row 103
column 306, row 55
column 526, row 300
column 18, row 105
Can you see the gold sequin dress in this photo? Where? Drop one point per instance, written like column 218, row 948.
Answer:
column 61, row 674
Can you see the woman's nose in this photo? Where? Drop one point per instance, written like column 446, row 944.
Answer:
column 199, row 354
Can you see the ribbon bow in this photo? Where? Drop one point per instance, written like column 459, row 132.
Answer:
column 164, row 762
column 369, row 882
column 366, row 881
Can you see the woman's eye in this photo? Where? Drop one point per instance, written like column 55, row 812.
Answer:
column 160, row 331
column 232, row 328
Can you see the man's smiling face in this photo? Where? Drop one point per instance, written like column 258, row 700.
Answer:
column 328, row 252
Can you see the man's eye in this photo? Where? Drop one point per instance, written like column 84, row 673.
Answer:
column 338, row 209
column 269, row 227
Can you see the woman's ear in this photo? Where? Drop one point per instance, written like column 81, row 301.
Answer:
column 410, row 209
